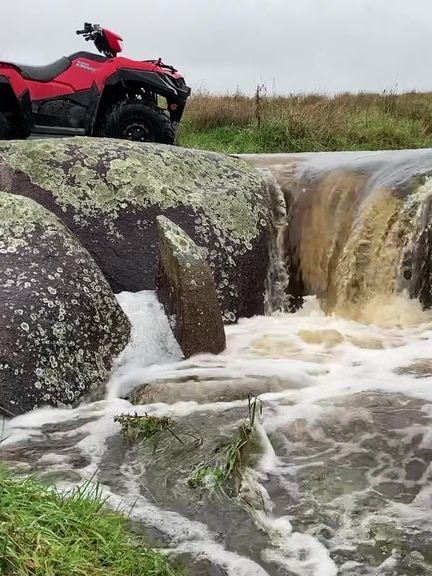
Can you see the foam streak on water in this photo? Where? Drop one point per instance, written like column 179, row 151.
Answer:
column 344, row 470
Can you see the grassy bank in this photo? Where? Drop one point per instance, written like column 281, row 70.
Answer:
column 43, row 533
column 308, row 123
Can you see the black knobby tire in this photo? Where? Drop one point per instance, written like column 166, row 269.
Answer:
column 140, row 122
column 5, row 128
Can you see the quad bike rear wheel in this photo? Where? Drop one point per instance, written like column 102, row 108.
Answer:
column 5, row 128
column 138, row 121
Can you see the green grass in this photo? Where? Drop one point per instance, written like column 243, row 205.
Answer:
column 147, row 427
column 44, row 533
column 307, row 123
column 134, row 427
column 224, row 471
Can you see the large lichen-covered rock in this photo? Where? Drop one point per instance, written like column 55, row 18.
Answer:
column 109, row 192
column 187, row 291
column 60, row 324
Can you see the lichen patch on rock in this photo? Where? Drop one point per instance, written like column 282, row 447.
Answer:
column 61, row 325
column 99, row 177
column 186, row 289
column 109, row 193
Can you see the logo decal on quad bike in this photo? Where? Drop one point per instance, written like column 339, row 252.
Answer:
column 85, row 66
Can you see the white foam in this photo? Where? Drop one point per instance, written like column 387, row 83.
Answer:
column 268, row 460
column 186, row 536
column 300, row 553
column 152, row 341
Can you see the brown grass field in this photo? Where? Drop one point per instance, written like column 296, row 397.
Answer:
column 307, row 123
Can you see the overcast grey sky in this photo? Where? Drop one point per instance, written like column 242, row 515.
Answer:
column 290, row 45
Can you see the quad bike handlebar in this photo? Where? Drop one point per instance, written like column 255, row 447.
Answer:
column 106, row 42
column 90, row 32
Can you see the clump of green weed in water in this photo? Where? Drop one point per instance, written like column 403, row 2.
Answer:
column 136, row 428
column 224, row 470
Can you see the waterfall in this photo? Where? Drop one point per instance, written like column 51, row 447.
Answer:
column 277, row 298
column 351, row 229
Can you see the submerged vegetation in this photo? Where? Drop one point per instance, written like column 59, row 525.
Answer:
column 225, row 468
column 147, row 427
column 307, row 123
column 134, row 427
column 221, row 471
column 45, row 533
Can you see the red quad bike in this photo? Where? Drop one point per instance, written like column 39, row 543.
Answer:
column 91, row 95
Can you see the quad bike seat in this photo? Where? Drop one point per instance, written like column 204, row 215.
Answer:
column 45, row 73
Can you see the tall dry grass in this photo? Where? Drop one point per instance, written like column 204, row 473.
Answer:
column 308, row 122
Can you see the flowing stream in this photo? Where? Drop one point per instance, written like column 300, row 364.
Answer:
column 340, row 479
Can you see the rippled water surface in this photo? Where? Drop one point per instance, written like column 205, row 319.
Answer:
column 340, row 480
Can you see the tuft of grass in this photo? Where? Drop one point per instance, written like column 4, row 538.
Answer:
column 223, row 472
column 136, row 428
column 307, row 123
column 45, row 533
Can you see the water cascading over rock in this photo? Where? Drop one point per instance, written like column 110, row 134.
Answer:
column 358, row 226
column 284, row 291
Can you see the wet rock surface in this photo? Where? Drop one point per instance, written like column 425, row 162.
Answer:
column 203, row 390
column 187, row 291
column 61, row 325
column 110, row 192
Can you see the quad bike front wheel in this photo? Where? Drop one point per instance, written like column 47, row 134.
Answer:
column 138, row 121
column 5, row 128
